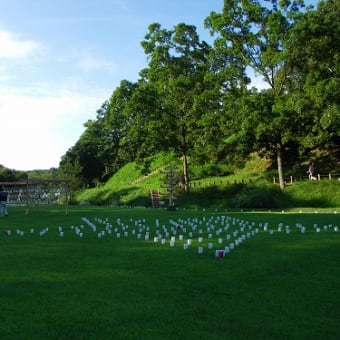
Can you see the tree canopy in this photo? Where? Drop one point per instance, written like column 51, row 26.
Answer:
column 197, row 101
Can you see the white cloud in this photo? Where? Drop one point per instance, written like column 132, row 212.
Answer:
column 12, row 47
column 89, row 63
column 43, row 110
column 37, row 130
column 4, row 74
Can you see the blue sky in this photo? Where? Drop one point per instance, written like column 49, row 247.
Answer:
column 61, row 59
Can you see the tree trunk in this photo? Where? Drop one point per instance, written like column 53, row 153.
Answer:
column 279, row 166
column 185, row 160
column 185, row 173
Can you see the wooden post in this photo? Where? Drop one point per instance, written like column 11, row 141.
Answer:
column 319, row 177
column 291, row 179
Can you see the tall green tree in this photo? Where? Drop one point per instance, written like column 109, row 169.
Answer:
column 70, row 169
column 83, row 163
column 316, row 57
column 115, row 149
column 84, row 156
column 224, row 84
column 146, row 133
column 177, row 67
column 258, row 33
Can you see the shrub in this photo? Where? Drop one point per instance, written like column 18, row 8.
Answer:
column 258, row 195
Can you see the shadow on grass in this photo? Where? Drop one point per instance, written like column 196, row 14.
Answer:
column 256, row 195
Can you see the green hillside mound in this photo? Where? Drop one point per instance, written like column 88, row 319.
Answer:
column 249, row 187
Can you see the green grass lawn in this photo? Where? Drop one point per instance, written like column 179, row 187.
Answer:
column 280, row 281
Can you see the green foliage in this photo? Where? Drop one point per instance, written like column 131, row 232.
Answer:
column 256, row 164
column 257, row 35
column 315, row 55
column 243, row 189
column 263, row 194
column 234, row 194
column 258, row 195
column 52, row 173
column 130, row 185
column 10, row 175
column 209, row 170
column 193, row 99
column 177, row 68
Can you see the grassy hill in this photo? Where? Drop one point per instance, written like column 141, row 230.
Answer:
column 249, row 187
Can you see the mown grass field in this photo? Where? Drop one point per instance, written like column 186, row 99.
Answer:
column 281, row 282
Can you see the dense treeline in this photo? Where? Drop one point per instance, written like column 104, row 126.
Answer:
column 11, row 175
column 196, row 100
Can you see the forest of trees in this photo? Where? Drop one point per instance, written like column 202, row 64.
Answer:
column 196, row 99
